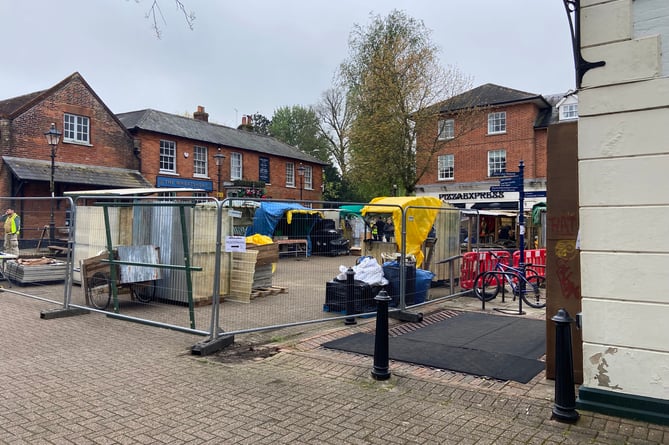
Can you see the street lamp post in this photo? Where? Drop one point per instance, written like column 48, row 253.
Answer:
column 219, row 157
column 52, row 138
column 300, row 173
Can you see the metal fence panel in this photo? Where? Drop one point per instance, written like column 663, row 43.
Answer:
column 260, row 288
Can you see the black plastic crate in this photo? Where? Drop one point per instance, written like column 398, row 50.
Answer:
column 363, row 296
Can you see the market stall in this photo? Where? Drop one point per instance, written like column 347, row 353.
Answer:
column 285, row 221
column 421, row 213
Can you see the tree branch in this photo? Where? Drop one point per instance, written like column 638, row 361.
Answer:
column 155, row 13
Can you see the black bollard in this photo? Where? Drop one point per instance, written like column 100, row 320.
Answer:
column 564, row 409
column 381, row 369
column 350, row 296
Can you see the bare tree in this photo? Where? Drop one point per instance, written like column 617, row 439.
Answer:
column 335, row 118
column 155, row 13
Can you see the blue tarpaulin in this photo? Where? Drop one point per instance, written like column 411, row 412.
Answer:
column 269, row 214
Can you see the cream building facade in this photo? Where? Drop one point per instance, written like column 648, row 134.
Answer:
column 624, row 208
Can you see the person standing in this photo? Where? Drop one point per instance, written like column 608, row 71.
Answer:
column 380, row 226
column 389, row 230
column 12, row 228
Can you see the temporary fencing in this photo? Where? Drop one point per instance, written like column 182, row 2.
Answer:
column 186, row 264
column 475, row 263
column 535, row 258
column 45, row 248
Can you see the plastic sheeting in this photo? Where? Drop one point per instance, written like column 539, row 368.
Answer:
column 268, row 215
column 419, row 220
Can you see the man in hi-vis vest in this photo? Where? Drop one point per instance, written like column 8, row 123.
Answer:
column 12, row 229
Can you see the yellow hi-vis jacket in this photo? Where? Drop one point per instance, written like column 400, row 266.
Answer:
column 13, row 224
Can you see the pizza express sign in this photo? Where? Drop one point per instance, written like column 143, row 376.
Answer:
column 470, row 196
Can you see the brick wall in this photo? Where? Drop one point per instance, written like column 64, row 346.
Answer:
column 521, row 141
column 150, row 155
column 23, row 136
column 110, row 144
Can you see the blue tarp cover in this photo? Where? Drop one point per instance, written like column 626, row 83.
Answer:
column 269, row 214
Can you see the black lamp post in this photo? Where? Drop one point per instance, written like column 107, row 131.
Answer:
column 219, row 157
column 300, row 173
column 52, row 138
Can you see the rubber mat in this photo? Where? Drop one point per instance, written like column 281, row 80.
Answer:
column 496, row 346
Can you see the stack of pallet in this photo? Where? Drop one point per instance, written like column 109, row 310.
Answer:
column 252, row 271
column 37, row 270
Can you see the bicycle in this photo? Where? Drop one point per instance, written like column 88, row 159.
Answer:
column 488, row 284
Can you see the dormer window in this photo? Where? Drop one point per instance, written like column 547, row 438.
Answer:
column 568, row 107
column 568, row 111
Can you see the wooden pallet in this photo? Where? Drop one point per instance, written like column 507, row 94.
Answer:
column 265, row 291
column 205, row 301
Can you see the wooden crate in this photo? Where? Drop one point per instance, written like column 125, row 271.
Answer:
column 267, row 253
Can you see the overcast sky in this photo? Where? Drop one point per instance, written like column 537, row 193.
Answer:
column 244, row 57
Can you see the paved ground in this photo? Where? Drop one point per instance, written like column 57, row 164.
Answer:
column 91, row 379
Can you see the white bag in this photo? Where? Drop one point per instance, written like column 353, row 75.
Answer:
column 368, row 270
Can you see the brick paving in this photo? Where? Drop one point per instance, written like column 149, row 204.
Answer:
column 91, row 379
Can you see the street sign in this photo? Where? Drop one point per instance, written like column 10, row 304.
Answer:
column 499, row 188
column 535, row 194
column 513, row 182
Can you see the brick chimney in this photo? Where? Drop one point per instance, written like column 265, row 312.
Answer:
column 200, row 115
column 247, row 123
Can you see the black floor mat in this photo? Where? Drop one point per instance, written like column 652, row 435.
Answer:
column 505, row 348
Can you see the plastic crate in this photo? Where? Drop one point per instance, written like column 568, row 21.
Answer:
column 363, row 296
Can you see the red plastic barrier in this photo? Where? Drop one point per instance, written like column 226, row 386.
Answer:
column 473, row 263
column 535, row 257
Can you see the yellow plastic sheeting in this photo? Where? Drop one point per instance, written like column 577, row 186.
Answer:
column 289, row 214
column 261, row 240
column 258, row 239
column 419, row 220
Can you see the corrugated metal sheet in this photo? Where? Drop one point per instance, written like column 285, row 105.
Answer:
column 161, row 226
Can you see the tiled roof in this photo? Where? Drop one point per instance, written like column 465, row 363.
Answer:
column 31, row 169
column 197, row 130
column 550, row 115
column 490, row 95
column 10, row 106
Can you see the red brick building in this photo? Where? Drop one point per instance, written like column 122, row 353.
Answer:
column 95, row 149
column 482, row 135
column 179, row 151
column 101, row 150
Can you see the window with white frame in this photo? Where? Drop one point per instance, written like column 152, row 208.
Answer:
column 497, row 122
column 568, row 111
column 235, row 166
column 200, row 161
column 308, row 178
column 497, row 163
column 200, row 196
column 168, row 156
column 446, row 167
column 446, row 129
column 76, row 129
column 290, row 174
